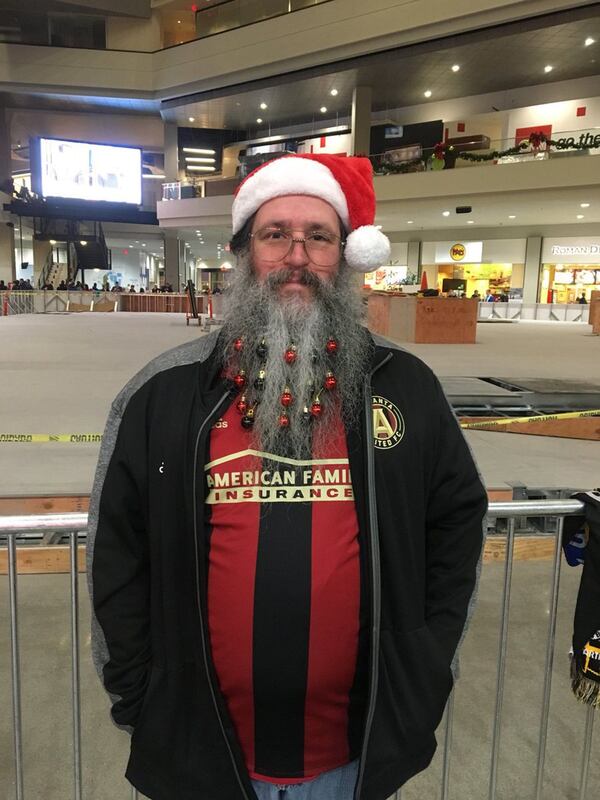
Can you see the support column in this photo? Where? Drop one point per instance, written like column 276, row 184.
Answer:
column 531, row 280
column 7, row 232
column 413, row 259
column 7, row 252
column 40, row 254
column 171, row 147
column 172, row 268
column 361, row 121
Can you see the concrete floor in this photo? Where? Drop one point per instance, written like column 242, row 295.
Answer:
column 59, row 374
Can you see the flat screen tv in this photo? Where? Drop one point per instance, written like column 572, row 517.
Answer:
column 74, row 170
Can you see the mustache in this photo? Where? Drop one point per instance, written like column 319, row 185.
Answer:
column 306, row 278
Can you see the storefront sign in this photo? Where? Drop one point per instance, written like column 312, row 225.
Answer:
column 459, row 252
column 575, row 250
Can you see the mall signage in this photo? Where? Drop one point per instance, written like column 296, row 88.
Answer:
column 575, row 250
column 459, row 252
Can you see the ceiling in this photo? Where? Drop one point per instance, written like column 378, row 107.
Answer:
column 530, row 209
column 490, row 60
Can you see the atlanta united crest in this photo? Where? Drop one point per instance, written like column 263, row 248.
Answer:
column 388, row 423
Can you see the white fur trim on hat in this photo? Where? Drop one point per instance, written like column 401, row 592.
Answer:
column 367, row 248
column 288, row 175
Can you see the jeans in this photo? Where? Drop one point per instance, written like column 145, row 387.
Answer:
column 337, row 784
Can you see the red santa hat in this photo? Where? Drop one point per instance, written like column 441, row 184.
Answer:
column 346, row 183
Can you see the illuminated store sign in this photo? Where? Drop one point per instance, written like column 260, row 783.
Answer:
column 459, row 252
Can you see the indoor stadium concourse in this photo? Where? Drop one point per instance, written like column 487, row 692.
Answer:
column 126, row 126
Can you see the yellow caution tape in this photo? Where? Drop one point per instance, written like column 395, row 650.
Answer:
column 96, row 438
column 500, row 423
column 36, row 438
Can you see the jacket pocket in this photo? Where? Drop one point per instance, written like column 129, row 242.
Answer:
column 415, row 681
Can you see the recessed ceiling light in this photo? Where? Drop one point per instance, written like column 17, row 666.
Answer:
column 584, row 205
column 445, row 213
column 589, row 41
column 259, row 120
column 470, row 222
column 410, row 221
column 179, row 22
column 580, row 216
column 548, row 68
column 191, row 119
column 512, row 216
column 143, row 244
column 427, row 93
column 334, row 92
column 455, row 67
column 323, row 109
column 264, row 106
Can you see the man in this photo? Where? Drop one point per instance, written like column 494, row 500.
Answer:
column 285, row 525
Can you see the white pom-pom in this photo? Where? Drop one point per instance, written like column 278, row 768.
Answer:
column 367, row 248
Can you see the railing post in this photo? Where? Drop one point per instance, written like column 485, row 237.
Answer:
column 75, row 666
column 447, row 747
column 502, row 658
column 587, row 749
column 15, row 667
column 549, row 661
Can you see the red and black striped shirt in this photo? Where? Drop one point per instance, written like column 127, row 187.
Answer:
column 284, row 593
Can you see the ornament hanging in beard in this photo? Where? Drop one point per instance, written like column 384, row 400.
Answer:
column 310, row 393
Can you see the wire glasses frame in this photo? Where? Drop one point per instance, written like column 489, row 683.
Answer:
column 274, row 244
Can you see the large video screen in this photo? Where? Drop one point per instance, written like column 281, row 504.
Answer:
column 85, row 171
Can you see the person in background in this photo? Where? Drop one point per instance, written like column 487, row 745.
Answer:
column 132, row 289
column 582, row 300
column 285, row 525
column 475, row 295
column 3, row 286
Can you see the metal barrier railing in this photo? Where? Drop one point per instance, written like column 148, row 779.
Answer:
column 72, row 524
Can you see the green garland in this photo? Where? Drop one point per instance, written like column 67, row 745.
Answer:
column 419, row 164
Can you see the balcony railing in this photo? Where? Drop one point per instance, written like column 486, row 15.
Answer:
column 502, row 519
column 479, row 150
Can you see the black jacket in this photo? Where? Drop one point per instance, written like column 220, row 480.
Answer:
column 420, row 506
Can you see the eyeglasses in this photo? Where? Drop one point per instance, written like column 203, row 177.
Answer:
column 274, row 244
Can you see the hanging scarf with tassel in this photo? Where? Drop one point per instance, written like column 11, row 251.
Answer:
column 581, row 545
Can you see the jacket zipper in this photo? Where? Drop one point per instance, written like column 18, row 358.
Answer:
column 375, row 575
column 208, row 418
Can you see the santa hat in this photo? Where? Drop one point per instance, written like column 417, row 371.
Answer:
column 346, row 183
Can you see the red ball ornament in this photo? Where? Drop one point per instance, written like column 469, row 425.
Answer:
column 240, row 379
column 316, row 409
column 290, row 355
column 330, row 381
column 238, row 344
column 242, row 405
column 331, row 346
column 286, row 398
column 284, row 421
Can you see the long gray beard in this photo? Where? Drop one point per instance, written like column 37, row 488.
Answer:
column 256, row 312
